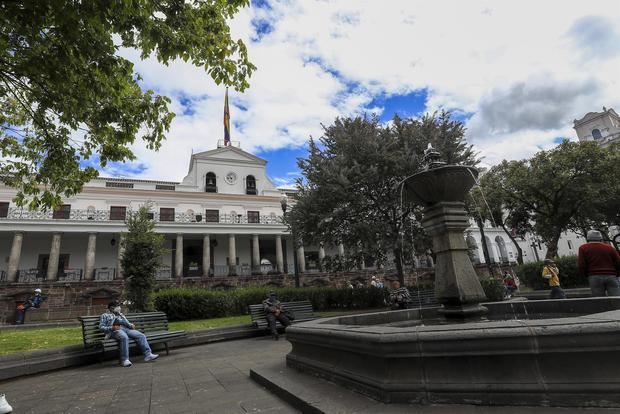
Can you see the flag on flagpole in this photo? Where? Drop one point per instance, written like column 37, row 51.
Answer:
column 226, row 121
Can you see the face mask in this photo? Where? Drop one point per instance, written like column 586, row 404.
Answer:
column 116, row 309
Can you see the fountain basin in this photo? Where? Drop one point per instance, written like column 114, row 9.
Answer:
column 568, row 361
column 447, row 183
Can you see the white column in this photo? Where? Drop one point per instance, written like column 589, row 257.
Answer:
column 16, row 252
column 52, row 266
column 89, row 263
column 232, row 253
column 321, row 256
column 178, row 261
column 119, row 256
column 279, row 256
column 301, row 259
column 341, row 249
column 206, row 255
column 255, row 253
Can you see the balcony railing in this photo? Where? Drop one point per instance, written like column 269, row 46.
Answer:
column 15, row 213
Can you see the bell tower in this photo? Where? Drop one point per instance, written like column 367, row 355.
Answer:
column 601, row 127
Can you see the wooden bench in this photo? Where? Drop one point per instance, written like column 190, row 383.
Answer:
column 152, row 324
column 302, row 310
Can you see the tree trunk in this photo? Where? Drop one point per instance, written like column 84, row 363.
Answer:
column 399, row 264
column 552, row 246
column 485, row 248
column 514, row 241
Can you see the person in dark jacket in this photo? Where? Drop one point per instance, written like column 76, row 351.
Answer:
column 33, row 302
column 274, row 311
column 600, row 262
column 399, row 297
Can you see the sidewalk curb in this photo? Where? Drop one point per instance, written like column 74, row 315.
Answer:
column 36, row 362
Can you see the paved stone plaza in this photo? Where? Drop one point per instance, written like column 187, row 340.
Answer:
column 203, row 379
column 210, row 378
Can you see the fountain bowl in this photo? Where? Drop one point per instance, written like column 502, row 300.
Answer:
column 446, row 183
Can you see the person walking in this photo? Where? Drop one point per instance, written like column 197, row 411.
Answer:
column 116, row 326
column 552, row 274
column 600, row 263
column 33, row 302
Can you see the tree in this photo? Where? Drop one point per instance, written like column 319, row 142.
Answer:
column 558, row 188
column 496, row 208
column 143, row 249
column 351, row 193
column 69, row 102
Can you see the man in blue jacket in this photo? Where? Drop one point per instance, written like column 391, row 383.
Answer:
column 114, row 324
column 33, row 302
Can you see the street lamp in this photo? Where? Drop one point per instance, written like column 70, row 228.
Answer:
column 284, row 204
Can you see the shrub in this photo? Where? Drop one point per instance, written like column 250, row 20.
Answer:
column 197, row 303
column 530, row 274
column 493, row 288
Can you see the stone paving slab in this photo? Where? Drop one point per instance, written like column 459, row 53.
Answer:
column 314, row 395
column 211, row 378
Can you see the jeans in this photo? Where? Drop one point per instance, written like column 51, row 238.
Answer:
column 557, row 293
column 123, row 335
column 271, row 320
column 20, row 314
column 599, row 284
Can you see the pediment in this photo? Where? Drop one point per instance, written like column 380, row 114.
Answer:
column 589, row 116
column 229, row 154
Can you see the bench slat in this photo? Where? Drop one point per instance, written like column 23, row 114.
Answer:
column 154, row 325
column 302, row 310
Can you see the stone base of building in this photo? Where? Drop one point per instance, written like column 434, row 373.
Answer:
column 68, row 300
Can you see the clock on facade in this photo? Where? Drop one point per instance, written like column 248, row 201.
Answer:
column 231, row 178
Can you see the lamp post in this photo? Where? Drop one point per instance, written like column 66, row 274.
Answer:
column 284, row 204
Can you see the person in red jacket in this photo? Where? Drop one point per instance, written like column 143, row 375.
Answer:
column 600, row 263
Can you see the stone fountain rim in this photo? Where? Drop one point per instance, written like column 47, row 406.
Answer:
column 601, row 319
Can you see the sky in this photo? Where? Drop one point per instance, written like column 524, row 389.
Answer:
column 516, row 72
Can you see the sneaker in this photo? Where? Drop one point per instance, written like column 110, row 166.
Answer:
column 126, row 363
column 5, row 407
column 151, row 357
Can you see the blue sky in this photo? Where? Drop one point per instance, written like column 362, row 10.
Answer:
column 517, row 91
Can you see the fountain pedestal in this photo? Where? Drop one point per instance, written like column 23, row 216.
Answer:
column 442, row 190
column 458, row 288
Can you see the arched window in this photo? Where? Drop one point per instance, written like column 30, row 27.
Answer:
column 210, row 183
column 502, row 248
column 596, row 134
column 250, row 185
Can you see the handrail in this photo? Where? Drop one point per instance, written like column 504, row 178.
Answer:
column 15, row 213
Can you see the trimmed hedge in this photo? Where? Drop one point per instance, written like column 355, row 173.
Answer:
column 197, row 303
column 494, row 288
column 530, row 274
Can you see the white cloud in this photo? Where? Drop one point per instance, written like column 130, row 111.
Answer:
column 524, row 69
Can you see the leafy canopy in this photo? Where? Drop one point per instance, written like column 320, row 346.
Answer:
column 66, row 95
column 568, row 187
column 350, row 190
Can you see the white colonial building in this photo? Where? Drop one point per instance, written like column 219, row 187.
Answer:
column 601, row 127
column 224, row 217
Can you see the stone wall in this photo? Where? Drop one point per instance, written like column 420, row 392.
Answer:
column 68, row 300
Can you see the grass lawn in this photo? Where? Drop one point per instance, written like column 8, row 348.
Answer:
column 18, row 340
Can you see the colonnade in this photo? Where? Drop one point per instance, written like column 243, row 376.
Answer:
column 91, row 247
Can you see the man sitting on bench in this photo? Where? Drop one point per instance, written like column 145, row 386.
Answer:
column 114, row 324
column 274, row 311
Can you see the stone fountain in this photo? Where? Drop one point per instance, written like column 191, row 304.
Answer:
column 441, row 189
column 546, row 352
